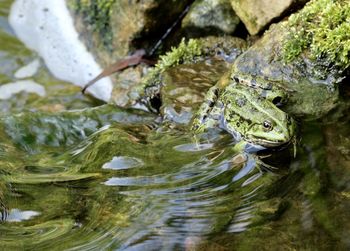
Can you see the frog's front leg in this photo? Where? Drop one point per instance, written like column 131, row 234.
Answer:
column 202, row 119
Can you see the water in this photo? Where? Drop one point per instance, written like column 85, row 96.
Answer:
column 114, row 179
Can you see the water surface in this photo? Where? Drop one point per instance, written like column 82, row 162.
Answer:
column 115, row 179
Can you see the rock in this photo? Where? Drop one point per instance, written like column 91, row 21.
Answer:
column 127, row 90
column 113, row 29
column 8, row 90
column 312, row 85
column 293, row 56
column 210, row 17
column 257, row 14
column 180, row 87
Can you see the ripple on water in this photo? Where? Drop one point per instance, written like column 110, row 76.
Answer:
column 193, row 147
column 145, row 190
column 17, row 215
column 122, row 162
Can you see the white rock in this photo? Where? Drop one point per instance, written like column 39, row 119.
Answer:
column 9, row 89
column 28, row 70
column 47, row 27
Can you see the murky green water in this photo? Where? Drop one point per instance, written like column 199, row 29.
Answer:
column 106, row 178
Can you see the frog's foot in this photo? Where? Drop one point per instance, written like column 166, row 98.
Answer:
column 243, row 146
column 250, row 162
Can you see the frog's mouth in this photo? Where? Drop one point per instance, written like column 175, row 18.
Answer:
column 268, row 143
column 275, row 138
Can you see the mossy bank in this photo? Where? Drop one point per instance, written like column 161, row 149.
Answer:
column 322, row 28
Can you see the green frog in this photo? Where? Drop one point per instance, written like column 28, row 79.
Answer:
column 248, row 114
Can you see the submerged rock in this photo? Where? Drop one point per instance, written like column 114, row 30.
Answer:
column 34, row 131
column 177, row 86
column 194, row 66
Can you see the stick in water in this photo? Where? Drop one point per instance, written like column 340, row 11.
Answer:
column 137, row 57
column 129, row 61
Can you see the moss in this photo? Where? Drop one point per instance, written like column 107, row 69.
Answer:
column 322, row 28
column 97, row 14
column 191, row 52
column 184, row 53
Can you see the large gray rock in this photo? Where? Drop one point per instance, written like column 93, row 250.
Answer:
column 210, row 17
column 257, row 14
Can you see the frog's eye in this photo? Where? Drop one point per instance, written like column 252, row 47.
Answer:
column 267, row 125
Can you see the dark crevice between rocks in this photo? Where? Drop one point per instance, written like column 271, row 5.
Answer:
column 241, row 31
column 147, row 39
column 153, row 103
column 344, row 89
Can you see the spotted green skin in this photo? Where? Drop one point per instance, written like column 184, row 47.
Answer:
column 246, row 112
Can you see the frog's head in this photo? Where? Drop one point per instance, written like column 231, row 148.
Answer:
column 255, row 119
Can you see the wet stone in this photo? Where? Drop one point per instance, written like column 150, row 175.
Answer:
column 112, row 29
column 256, row 14
column 184, row 90
column 208, row 17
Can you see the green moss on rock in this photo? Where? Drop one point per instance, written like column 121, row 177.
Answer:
column 98, row 15
column 197, row 49
column 322, row 28
column 184, row 53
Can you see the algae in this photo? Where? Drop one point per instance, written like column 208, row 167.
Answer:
column 98, row 15
column 322, row 28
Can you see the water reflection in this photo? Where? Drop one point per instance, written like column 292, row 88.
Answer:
column 122, row 162
column 101, row 179
column 17, row 215
column 193, row 147
column 134, row 188
column 150, row 194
